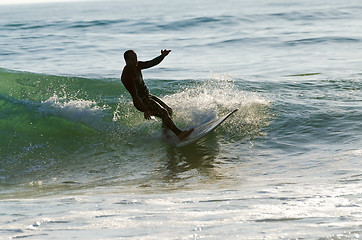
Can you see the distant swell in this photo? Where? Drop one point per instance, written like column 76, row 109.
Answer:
column 95, row 23
column 319, row 40
column 60, row 24
column 192, row 22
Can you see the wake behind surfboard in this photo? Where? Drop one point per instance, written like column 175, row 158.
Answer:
column 198, row 133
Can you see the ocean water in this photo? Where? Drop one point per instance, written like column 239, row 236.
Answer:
column 77, row 161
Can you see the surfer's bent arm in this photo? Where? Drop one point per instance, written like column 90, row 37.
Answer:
column 155, row 61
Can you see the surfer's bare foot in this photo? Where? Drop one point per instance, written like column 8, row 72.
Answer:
column 185, row 134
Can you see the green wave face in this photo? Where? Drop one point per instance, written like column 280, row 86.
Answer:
column 57, row 125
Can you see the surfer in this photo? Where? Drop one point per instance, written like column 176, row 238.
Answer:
column 149, row 104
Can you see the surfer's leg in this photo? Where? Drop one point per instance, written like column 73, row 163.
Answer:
column 168, row 123
column 157, row 110
column 164, row 105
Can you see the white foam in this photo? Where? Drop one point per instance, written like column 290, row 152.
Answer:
column 216, row 97
column 76, row 110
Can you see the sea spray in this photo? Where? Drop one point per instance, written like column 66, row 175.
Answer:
column 216, row 96
column 76, row 110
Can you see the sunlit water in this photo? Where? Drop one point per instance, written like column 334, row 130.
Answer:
column 78, row 161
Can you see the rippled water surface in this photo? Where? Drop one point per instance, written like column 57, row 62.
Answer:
column 78, row 161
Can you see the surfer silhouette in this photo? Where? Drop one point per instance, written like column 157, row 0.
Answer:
column 149, row 104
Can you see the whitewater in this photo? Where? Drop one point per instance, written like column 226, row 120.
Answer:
column 77, row 160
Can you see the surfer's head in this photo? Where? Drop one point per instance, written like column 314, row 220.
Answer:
column 130, row 57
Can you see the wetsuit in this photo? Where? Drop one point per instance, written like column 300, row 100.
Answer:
column 138, row 89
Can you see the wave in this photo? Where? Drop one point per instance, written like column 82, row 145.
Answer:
column 318, row 40
column 309, row 15
column 91, row 101
column 95, row 23
column 59, row 122
column 145, row 24
column 61, row 24
column 35, row 107
column 197, row 21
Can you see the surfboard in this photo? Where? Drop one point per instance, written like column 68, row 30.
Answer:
column 201, row 131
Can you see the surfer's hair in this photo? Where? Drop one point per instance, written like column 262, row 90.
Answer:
column 127, row 53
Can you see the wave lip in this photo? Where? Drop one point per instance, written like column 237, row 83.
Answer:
column 78, row 111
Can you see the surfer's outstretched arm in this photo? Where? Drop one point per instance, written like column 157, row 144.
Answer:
column 155, row 61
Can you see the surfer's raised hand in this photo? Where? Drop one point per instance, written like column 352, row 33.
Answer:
column 165, row 52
